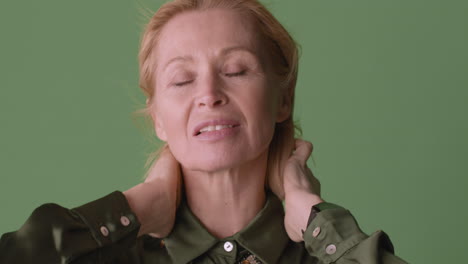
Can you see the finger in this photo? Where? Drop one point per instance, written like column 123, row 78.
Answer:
column 302, row 151
column 164, row 163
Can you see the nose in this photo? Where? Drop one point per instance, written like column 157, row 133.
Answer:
column 211, row 93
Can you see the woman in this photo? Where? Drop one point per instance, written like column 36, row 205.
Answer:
column 220, row 77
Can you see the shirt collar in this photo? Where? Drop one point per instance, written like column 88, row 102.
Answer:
column 264, row 236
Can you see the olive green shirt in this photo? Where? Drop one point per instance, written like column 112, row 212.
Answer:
column 105, row 231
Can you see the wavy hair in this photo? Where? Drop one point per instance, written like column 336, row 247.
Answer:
column 278, row 43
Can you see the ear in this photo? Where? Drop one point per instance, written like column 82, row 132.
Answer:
column 284, row 107
column 158, row 127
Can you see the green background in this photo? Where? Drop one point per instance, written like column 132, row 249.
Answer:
column 382, row 94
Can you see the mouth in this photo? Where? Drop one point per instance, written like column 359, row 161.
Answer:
column 216, row 125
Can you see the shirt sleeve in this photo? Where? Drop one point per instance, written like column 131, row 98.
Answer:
column 97, row 232
column 334, row 236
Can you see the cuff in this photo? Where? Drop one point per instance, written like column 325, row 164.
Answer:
column 318, row 208
column 332, row 233
column 109, row 219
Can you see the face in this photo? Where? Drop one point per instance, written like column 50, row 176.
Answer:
column 217, row 100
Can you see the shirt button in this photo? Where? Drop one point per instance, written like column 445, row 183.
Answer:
column 316, row 232
column 331, row 249
column 124, row 221
column 104, row 231
column 228, row 246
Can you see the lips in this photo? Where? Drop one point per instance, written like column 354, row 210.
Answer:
column 214, row 125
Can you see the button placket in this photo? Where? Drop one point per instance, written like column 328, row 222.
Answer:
column 228, row 246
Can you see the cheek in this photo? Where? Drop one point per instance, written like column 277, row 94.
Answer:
column 265, row 104
column 174, row 127
column 174, row 118
column 263, row 110
column 170, row 118
column 176, row 136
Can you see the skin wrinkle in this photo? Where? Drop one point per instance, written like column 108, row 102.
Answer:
column 234, row 64
column 165, row 97
column 237, row 164
column 246, row 22
column 224, row 52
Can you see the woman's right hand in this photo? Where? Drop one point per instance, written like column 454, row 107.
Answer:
column 155, row 200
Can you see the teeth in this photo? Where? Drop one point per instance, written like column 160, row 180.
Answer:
column 213, row 128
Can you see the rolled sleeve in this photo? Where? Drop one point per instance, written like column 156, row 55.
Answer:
column 334, row 236
column 331, row 234
column 97, row 232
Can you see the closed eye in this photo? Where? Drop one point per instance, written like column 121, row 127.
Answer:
column 234, row 74
column 182, row 83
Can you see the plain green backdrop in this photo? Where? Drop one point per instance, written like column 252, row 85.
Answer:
column 382, row 94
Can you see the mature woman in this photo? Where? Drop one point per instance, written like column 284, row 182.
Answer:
column 220, row 77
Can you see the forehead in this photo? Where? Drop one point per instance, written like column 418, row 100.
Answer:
column 206, row 32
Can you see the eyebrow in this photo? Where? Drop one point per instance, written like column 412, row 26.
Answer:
column 223, row 52
column 237, row 48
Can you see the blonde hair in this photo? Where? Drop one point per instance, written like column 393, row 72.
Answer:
column 280, row 45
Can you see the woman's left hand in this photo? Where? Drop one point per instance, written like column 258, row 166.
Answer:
column 302, row 190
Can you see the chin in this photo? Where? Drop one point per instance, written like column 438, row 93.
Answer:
column 214, row 159
column 220, row 161
column 211, row 165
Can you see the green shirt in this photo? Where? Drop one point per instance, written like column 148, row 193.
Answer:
column 105, row 231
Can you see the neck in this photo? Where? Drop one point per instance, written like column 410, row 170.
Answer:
column 226, row 201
